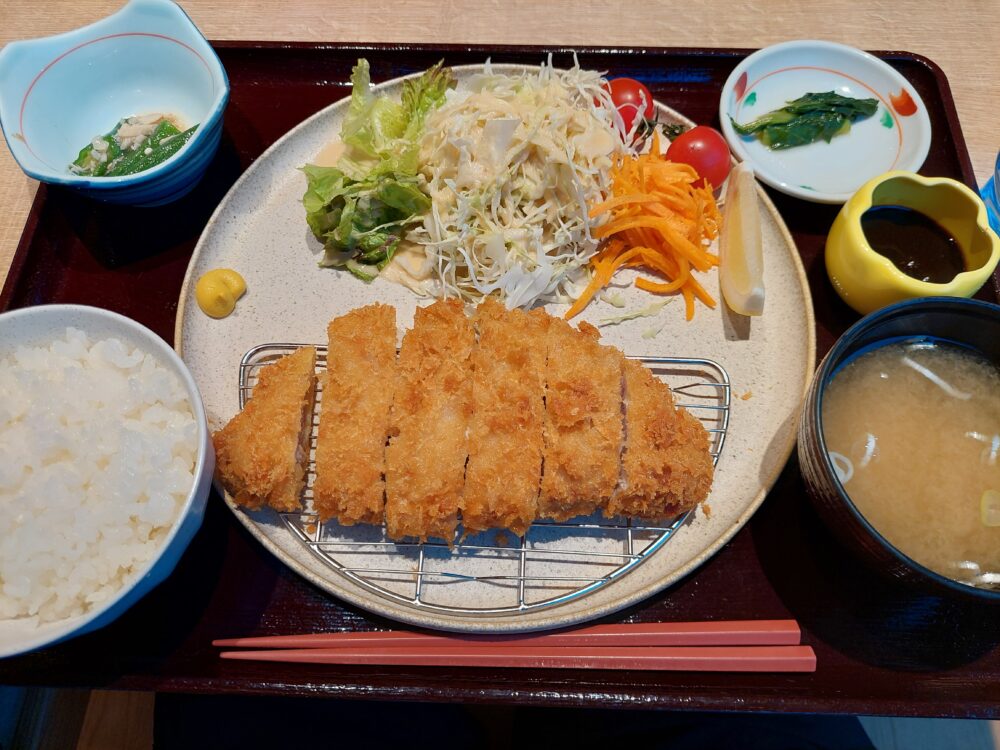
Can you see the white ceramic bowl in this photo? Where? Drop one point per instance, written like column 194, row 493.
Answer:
column 35, row 326
column 58, row 92
column 896, row 137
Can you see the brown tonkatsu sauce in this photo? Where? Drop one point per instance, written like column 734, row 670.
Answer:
column 916, row 244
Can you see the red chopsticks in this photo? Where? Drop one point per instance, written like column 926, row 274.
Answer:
column 738, row 646
column 732, row 633
column 663, row 658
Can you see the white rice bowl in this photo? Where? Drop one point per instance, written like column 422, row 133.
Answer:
column 106, row 468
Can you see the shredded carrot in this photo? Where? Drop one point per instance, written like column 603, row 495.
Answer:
column 659, row 221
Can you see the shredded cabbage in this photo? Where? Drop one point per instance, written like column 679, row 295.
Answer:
column 652, row 333
column 615, row 299
column 643, row 312
column 511, row 169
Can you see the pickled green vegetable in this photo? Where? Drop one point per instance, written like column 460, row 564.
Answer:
column 129, row 155
column 809, row 118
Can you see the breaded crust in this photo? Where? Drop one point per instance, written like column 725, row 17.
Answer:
column 666, row 465
column 262, row 453
column 358, row 387
column 505, row 436
column 583, row 422
column 425, row 459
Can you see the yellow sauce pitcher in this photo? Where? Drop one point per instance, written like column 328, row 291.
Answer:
column 867, row 281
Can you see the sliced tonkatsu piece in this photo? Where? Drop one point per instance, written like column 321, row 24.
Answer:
column 262, row 453
column 666, row 465
column 583, row 422
column 358, row 387
column 425, row 460
column 505, row 435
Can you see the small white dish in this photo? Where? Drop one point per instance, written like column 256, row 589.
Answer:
column 896, row 137
column 36, row 326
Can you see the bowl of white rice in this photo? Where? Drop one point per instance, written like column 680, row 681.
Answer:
column 106, row 469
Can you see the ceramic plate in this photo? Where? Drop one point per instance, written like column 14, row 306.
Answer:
column 897, row 136
column 259, row 229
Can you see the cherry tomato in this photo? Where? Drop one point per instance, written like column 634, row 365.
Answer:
column 706, row 150
column 630, row 98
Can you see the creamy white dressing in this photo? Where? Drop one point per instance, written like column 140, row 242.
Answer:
column 411, row 267
column 330, row 154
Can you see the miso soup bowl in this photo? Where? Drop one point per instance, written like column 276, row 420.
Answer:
column 967, row 323
column 59, row 92
column 866, row 280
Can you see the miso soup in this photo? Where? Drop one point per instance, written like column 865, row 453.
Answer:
column 913, row 430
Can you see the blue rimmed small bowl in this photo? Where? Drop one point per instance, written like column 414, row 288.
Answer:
column 58, row 92
column 968, row 323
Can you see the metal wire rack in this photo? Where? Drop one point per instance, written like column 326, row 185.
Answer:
column 496, row 573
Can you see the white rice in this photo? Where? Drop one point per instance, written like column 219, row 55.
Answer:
column 98, row 445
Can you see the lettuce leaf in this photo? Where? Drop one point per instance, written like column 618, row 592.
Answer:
column 363, row 220
column 361, row 208
column 372, row 123
column 382, row 135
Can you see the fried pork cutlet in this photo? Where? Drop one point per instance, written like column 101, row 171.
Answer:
column 425, row 460
column 354, row 416
column 666, row 465
column 261, row 454
column 505, row 434
column 583, row 422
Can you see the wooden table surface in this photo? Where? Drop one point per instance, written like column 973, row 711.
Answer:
column 960, row 38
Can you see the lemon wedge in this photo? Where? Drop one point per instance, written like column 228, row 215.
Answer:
column 741, row 245
column 989, row 508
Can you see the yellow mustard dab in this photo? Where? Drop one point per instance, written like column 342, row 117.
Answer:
column 217, row 291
